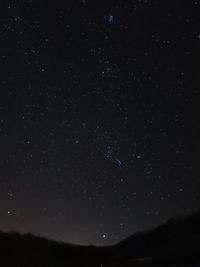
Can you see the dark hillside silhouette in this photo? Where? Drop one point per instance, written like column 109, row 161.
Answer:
column 175, row 242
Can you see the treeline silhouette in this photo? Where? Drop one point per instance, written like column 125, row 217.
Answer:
column 175, row 242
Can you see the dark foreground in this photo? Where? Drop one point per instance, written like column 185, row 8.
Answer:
column 175, row 243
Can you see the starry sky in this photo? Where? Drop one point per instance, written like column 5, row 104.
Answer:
column 99, row 123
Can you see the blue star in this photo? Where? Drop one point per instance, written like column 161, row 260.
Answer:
column 110, row 19
column 119, row 162
column 109, row 152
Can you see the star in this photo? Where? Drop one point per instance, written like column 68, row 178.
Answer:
column 110, row 18
column 104, row 236
column 119, row 162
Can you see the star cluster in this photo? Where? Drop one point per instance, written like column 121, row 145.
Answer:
column 99, row 124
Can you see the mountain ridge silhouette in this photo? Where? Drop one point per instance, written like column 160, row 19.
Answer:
column 177, row 241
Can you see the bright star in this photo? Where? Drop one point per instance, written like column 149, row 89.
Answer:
column 119, row 162
column 110, row 19
column 104, row 236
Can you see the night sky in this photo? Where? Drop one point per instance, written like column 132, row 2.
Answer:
column 99, row 123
